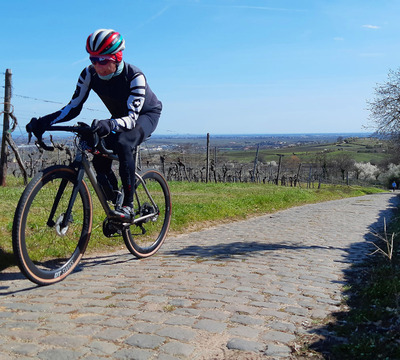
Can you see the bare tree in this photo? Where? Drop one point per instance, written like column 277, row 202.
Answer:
column 385, row 107
column 343, row 162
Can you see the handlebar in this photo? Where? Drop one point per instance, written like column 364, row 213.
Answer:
column 81, row 129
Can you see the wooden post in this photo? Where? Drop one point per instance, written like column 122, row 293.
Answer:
column 162, row 158
column 6, row 127
column 298, row 174
column 279, row 168
column 208, row 158
column 215, row 164
column 253, row 176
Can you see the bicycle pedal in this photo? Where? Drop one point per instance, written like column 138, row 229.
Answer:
column 111, row 230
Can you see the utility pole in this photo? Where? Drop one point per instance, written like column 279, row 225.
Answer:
column 6, row 127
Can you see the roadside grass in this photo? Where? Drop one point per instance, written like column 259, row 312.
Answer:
column 194, row 206
column 368, row 327
column 372, row 326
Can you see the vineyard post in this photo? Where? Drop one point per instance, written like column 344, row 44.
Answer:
column 298, row 174
column 215, row 163
column 6, row 127
column 309, row 178
column 279, row 168
column 208, row 158
column 253, row 176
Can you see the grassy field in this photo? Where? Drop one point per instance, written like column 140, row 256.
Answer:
column 361, row 150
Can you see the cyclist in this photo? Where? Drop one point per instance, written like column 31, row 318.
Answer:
column 134, row 108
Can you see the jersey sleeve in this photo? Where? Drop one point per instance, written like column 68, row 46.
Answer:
column 74, row 107
column 135, row 102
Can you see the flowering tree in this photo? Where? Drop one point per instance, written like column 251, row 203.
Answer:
column 393, row 173
column 367, row 171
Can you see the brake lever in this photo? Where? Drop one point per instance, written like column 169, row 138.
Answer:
column 39, row 141
column 99, row 144
column 44, row 146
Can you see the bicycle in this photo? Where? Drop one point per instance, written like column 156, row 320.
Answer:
column 53, row 220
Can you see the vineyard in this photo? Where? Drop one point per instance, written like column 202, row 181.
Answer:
column 285, row 161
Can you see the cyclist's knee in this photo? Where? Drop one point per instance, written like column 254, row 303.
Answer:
column 128, row 141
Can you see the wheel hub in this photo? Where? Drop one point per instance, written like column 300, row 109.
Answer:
column 62, row 231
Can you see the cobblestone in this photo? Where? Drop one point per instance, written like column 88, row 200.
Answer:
column 245, row 345
column 240, row 290
column 145, row 341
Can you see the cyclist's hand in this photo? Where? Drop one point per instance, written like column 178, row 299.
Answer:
column 31, row 127
column 101, row 127
column 37, row 127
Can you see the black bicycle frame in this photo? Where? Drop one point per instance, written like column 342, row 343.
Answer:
column 82, row 165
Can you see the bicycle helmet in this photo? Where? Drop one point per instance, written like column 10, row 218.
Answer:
column 105, row 42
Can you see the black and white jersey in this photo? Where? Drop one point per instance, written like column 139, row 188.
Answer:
column 126, row 96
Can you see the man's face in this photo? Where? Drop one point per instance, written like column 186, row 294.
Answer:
column 106, row 69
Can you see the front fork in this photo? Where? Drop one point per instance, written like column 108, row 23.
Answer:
column 67, row 215
column 82, row 166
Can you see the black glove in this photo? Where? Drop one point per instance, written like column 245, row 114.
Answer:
column 37, row 126
column 101, row 127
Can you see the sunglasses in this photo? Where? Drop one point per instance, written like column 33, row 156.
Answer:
column 100, row 60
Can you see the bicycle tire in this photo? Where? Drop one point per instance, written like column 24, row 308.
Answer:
column 156, row 227
column 45, row 251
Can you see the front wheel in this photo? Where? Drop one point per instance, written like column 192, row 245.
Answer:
column 152, row 206
column 52, row 225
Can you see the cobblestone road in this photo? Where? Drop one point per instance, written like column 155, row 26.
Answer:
column 238, row 291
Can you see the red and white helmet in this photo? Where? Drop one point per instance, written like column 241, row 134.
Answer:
column 105, row 42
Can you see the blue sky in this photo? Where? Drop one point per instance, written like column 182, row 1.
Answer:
column 218, row 66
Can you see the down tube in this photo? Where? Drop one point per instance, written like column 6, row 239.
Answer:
column 92, row 178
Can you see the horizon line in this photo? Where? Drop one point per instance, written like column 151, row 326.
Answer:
column 264, row 134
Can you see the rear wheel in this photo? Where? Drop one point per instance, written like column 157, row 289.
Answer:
column 48, row 245
column 152, row 206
